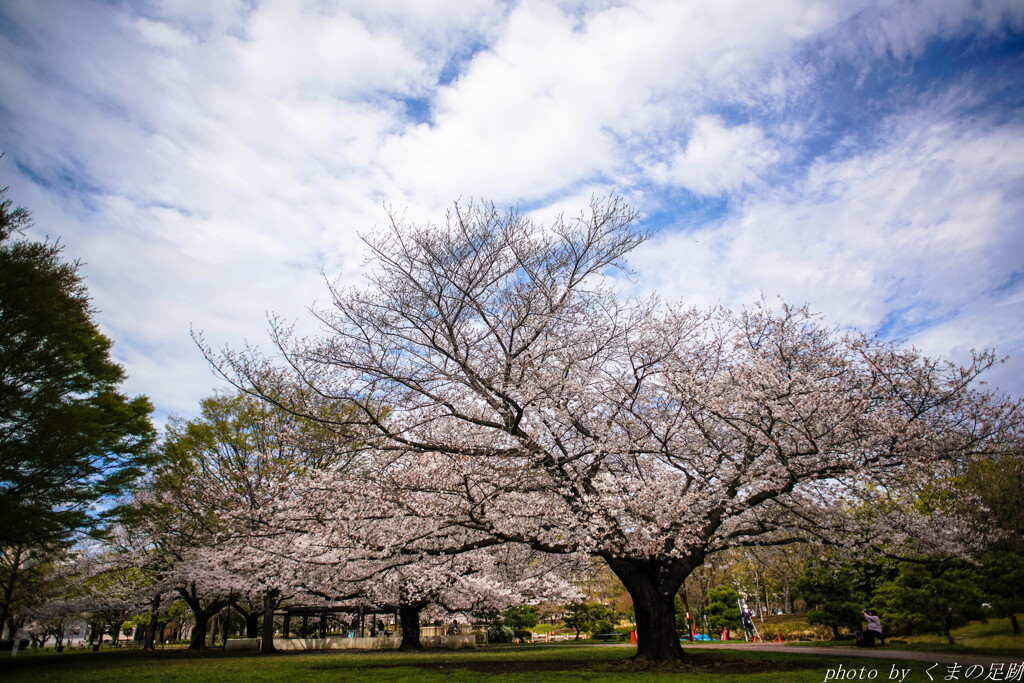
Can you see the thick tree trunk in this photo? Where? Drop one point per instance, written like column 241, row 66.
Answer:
column 154, row 614
column 252, row 625
column 251, row 617
column 409, row 615
column 198, row 641
column 653, row 585
column 202, row 614
column 269, row 605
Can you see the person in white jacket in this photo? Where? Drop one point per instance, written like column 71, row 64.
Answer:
column 873, row 629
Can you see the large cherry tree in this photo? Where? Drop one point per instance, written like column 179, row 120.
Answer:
column 519, row 398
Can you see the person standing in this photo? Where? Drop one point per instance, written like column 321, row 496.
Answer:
column 748, row 623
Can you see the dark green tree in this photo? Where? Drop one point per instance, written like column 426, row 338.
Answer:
column 829, row 592
column 602, row 617
column 1002, row 581
column 681, row 611
column 68, row 437
column 933, row 596
column 577, row 616
column 586, row 617
column 520, row 618
column 991, row 492
column 722, row 610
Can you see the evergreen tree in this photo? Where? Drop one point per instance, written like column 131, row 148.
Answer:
column 935, row 596
column 520, row 618
column 829, row 592
column 68, row 437
column 722, row 610
column 577, row 616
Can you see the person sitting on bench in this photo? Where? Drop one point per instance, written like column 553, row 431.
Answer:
column 873, row 629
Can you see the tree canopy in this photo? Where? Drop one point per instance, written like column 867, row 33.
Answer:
column 68, row 437
column 531, row 403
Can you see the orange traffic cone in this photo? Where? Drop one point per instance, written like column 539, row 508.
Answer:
column 725, row 634
column 780, row 637
column 632, row 637
column 755, row 637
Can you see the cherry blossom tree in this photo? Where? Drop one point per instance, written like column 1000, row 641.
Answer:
column 341, row 538
column 219, row 473
column 527, row 402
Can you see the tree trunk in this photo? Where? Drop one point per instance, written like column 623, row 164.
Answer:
column 947, row 628
column 269, row 604
column 252, row 625
column 410, row 619
column 154, row 614
column 202, row 614
column 835, row 632
column 1013, row 622
column 251, row 615
column 198, row 641
column 653, row 585
column 757, row 595
column 8, row 595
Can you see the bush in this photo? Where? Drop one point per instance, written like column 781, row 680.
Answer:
column 601, row 626
column 500, row 634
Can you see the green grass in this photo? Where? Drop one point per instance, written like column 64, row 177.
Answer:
column 505, row 664
column 992, row 634
column 994, row 637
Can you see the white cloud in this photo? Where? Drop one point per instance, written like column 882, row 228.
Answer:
column 206, row 159
column 718, row 159
column 919, row 238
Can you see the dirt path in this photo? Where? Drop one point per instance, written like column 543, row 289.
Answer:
column 880, row 652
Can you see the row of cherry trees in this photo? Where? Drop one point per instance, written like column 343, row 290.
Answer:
column 503, row 392
column 233, row 518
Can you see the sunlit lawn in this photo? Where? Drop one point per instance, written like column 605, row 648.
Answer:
column 516, row 663
column 994, row 636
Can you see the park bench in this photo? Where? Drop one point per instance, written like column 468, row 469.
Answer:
column 610, row 636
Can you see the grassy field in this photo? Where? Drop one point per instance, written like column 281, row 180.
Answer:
column 564, row 662
column 497, row 663
column 994, row 636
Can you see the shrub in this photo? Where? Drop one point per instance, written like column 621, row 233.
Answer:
column 500, row 634
column 601, row 626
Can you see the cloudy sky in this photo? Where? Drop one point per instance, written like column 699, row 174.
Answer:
column 208, row 160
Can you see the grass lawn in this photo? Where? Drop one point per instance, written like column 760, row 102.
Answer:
column 498, row 663
column 994, row 637
column 993, row 634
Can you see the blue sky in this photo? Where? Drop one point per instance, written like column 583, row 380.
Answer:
column 206, row 161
